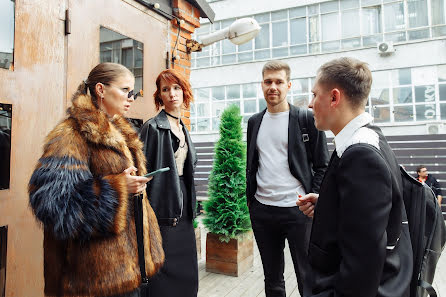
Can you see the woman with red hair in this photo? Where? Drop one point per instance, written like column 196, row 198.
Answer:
column 172, row 194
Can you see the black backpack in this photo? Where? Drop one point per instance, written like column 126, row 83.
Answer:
column 427, row 233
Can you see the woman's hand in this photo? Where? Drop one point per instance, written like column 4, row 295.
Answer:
column 307, row 203
column 135, row 184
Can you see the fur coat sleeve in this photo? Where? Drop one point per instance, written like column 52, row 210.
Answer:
column 67, row 197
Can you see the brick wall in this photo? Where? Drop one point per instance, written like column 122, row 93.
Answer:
column 191, row 17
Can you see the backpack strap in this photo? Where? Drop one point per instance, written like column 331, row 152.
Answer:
column 303, row 123
column 428, row 287
column 138, row 209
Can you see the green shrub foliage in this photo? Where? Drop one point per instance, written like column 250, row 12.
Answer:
column 226, row 211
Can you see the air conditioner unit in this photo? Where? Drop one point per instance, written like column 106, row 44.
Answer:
column 385, row 48
column 434, row 128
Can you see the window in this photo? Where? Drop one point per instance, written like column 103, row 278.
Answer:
column 7, row 8
column 5, row 144
column 117, row 48
column 3, row 249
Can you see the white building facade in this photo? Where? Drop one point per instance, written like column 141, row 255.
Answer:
column 408, row 94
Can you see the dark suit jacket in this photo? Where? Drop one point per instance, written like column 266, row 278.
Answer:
column 308, row 172
column 359, row 245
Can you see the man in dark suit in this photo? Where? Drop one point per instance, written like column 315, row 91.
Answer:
column 279, row 168
column 359, row 243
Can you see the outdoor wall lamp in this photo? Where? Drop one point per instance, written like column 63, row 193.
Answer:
column 239, row 32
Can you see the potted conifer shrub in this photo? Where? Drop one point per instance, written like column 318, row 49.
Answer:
column 229, row 243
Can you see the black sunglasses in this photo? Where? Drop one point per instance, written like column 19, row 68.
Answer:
column 135, row 96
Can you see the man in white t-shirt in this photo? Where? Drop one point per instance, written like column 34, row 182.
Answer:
column 287, row 158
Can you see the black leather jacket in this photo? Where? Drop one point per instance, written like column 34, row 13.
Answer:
column 164, row 191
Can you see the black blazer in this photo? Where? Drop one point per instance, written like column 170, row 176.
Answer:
column 308, row 172
column 164, row 191
column 359, row 245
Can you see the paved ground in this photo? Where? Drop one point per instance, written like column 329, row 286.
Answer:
column 250, row 284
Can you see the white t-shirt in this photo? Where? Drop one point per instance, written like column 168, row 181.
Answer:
column 275, row 184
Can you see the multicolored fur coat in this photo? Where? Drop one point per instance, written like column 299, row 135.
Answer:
column 79, row 193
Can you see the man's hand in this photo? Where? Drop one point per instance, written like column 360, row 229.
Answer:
column 307, row 203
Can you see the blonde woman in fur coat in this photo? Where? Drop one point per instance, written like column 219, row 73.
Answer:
column 82, row 191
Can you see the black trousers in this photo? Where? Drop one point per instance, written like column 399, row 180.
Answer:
column 271, row 226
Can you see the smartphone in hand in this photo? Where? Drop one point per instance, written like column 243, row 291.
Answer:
column 157, row 171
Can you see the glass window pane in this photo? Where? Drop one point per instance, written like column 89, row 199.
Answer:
column 298, row 30
column 118, row 48
column 203, row 29
column 347, row 4
column 381, row 114
column 280, row 52
column 425, row 112
column 262, row 39
column 441, row 72
column 298, row 50
column 443, row 111
column 260, row 55
column 315, row 48
column 245, row 47
column 203, row 62
column 380, row 79
column 249, row 90
column 439, row 31
column 299, row 85
column 351, row 43
column 203, row 94
column 280, row 34
column 329, row 6
column 228, row 59
column 193, row 125
column 417, row 13
column 438, row 14
column 330, row 46
column 233, row 102
column 313, row 9
column 379, row 96
column 203, row 125
column 372, row 40
column 6, row 33
column 394, row 16
column 233, row 92
column 350, row 23
column 395, row 37
column 301, row 100
column 370, row 2
column 217, row 108
column 330, row 26
column 401, row 76
column 425, row 94
column 215, row 124
column 250, row 106
column 371, row 20
column 202, row 109
column 313, row 27
column 5, row 148
column 228, row 47
column 244, row 57
column 279, row 15
column 262, row 18
column 442, row 92
column 402, row 95
column 298, row 12
column 403, row 113
column 419, row 34
column 218, row 93
column 262, row 105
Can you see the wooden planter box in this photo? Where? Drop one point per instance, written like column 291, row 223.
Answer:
column 229, row 258
column 198, row 241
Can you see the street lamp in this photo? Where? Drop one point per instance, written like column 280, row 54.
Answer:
column 239, row 32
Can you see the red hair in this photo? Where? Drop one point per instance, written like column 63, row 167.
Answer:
column 173, row 77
